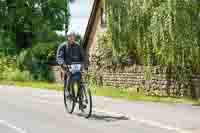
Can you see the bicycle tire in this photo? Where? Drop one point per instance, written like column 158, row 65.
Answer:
column 88, row 94
column 69, row 110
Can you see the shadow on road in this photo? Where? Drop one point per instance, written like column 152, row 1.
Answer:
column 106, row 118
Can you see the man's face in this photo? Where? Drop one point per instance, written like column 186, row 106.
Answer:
column 71, row 39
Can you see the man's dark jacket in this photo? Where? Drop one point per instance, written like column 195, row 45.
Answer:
column 68, row 53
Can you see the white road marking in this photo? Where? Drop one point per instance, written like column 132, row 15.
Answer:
column 147, row 122
column 5, row 123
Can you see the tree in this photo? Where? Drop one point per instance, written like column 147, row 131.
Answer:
column 25, row 18
column 162, row 32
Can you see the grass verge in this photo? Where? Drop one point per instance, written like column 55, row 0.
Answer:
column 108, row 91
column 132, row 95
column 41, row 85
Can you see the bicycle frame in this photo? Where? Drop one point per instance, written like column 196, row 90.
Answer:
column 81, row 95
column 77, row 77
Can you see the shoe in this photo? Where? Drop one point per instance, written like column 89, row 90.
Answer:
column 82, row 107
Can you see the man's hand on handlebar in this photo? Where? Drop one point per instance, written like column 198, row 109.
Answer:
column 65, row 67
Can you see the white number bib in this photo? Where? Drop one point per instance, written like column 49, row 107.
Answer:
column 75, row 68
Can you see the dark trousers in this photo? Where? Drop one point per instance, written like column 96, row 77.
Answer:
column 67, row 80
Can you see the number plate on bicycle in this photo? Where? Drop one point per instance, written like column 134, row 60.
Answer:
column 75, row 68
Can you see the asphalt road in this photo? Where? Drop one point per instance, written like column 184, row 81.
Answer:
column 25, row 110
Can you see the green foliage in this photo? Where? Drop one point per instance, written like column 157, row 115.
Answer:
column 27, row 18
column 29, row 27
column 6, row 65
column 41, row 15
column 45, row 51
column 7, row 40
column 48, row 37
column 37, row 59
column 104, row 49
column 18, row 75
column 9, row 71
column 160, row 32
column 7, row 44
column 92, row 77
column 78, row 38
column 106, row 55
column 27, row 60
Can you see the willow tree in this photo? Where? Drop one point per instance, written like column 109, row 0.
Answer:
column 174, row 34
column 128, row 23
column 117, row 14
column 161, row 31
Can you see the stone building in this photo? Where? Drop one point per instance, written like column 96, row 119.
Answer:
column 96, row 25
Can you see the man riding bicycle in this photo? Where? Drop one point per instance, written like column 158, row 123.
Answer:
column 67, row 53
column 70, row 56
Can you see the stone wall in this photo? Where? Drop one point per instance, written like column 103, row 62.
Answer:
column 159, row 85
column 134, row 77
column 56, row 74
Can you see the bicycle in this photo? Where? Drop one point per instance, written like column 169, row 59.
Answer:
column 77, row 92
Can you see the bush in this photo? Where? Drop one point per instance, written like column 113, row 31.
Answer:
column 37, row 59
column 7, row 40
column 6, row 65
column 45, row 51
column 92, row 77
column 9, row 71
column 104, row 52
column 25, row 59
column 18, row 75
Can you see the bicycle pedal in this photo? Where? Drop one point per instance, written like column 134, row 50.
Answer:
column 82, row 107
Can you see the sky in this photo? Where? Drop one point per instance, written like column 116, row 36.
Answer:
column 80, row 13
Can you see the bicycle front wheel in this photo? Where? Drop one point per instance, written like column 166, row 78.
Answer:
column 69, row 99
column 86, row 98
